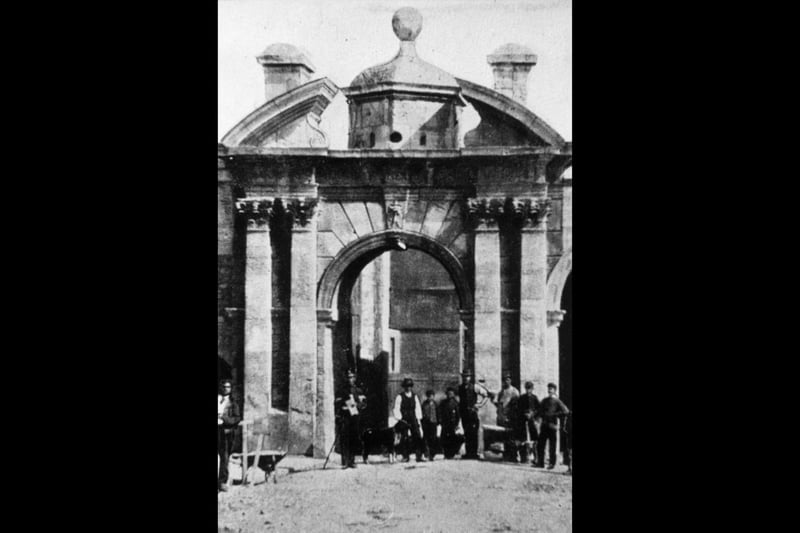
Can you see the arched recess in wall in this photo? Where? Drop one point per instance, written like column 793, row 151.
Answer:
column 557, row 279
column 356, row 255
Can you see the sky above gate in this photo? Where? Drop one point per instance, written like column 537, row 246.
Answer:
column 347, row 36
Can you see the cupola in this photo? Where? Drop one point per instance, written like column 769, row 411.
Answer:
column 406, row 103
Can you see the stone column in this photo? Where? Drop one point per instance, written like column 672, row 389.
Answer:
column 325, row 426
column 366, row 312
column 487, row 323
column 302, row 326
column 258, row 307
column 554, row 319
column 533, row 290
column 382, row 300
column 224, row 210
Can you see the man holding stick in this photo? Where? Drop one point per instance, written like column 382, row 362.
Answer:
column 529, row 413
column 349, row 403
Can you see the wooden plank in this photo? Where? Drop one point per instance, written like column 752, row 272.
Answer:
column 258, row 451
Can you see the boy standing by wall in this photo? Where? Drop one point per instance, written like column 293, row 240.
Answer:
column 430, row 422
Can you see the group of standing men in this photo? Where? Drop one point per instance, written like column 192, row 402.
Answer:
column 532, row 426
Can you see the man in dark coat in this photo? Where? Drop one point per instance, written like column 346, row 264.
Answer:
column 408, row 409
column 468, row 393
column 430, row 424
column 552, row 411
column 350, row 402
column 449, row 417
column 228, row 417
column 528, row 414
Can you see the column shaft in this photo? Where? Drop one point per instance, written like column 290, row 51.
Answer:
column 533, row 309
column 487, row 324
column 324, row 428
column 303, row 339
column 258, row 321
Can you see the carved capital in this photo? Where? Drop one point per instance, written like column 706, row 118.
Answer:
column 293, row 212
column 257, row 212
column 300, row 211
column 529, row 212
column 554, row 318
column 485, row 213
column 522, row 212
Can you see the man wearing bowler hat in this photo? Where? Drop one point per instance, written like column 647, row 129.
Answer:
column 408, row 409
column 350, row 402
column 468, row 393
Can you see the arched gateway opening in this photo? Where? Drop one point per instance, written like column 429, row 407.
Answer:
column 401, row 305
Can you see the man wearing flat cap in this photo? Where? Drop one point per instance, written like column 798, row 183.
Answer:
column 408, row 409
column 468, row 393
column 552, row 411
column 349, row 404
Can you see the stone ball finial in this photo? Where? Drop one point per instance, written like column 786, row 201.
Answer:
column 407, row 23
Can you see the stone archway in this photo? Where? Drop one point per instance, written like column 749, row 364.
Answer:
column 360, row 252
column 338, row 278
column 556, row 281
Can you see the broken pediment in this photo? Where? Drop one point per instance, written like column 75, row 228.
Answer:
column 290, row 120
column 504, row 121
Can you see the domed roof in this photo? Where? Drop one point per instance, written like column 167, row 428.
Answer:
column 284, row 53
column 406, row 67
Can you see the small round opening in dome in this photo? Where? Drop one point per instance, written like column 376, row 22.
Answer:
column 395, row 137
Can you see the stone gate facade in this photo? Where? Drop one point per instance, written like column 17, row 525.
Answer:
column 297, row 223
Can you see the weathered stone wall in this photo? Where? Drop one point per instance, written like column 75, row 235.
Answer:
column 353, row 197
column 230, row 281
column 559, row 222
column 424, row 308
column 421, row 124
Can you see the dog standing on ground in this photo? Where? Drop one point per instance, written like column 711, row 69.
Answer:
column 385, row 441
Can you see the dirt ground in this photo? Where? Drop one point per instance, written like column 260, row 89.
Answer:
column 454, row 495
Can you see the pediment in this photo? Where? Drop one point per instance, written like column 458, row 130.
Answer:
column 504, row 121
column 290, row 120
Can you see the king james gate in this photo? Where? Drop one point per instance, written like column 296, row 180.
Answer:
column 420, row 250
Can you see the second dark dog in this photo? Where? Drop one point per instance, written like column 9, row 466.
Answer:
column 385, row 441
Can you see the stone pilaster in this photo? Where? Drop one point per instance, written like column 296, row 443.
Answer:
column 554, row 319
column 325, row 426
column 224, row 209
column 303, row 326
column 533, row 359
column 487, row 322
column 258, row 307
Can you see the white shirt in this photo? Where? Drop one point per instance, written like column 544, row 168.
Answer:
column 399, row 400
column 222, row 404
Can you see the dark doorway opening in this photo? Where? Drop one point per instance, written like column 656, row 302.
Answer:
column 398, row 316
